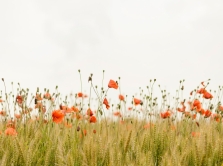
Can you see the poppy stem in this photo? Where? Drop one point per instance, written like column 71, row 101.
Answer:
column 100, row 100
column 81, row 90
column 6, row 96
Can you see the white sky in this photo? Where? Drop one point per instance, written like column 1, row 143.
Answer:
column 43, row 43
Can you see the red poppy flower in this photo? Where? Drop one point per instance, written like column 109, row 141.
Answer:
column 216, row 117
column 89, row 112
column 137, row 101
column 117, row 114
column 207, row 113
column 121, row 97
column 105, row 102
column 207, row 95
column 183, row 108
column 19, row 99
column 202, row 111
column 201, row 91
column 57, row 116
column 166, row 114
column 113, row 84
column 75, row 109
column 80, row 94
column 10, row 131
column 93, row 119
column 197, row 104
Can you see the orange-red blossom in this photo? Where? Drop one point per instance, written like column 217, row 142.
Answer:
column 57, row 116
column 10, row 131
column 113, row 84
column 105, row 102
column 166, row 114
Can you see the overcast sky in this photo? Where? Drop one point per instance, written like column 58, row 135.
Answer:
column 43, row 43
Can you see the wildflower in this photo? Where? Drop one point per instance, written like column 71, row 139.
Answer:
column 197, row 105
column 80, row 94
column 216, row 117
column 166, row 114
column 93, row 119
column 121, row 97
column 94, row 131
column 182, row 109
column 78, row 116
column 57, row 116
column 113, row 84
column 207, row 113
column 1, row 100
column 105, row 102
column 10, row 131
column 19, row 99
column 89, row 112
column 202, row 111
column 117, row 114
column 201, row 91
column 137, row 101
column 75, row 109
column 207, row 95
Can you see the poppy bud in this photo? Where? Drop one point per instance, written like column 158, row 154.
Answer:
column 141, row 103
column 78, row 128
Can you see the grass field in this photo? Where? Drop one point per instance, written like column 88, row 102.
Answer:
column 48, row 130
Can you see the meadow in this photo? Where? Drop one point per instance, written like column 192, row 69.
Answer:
column 45, row 129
